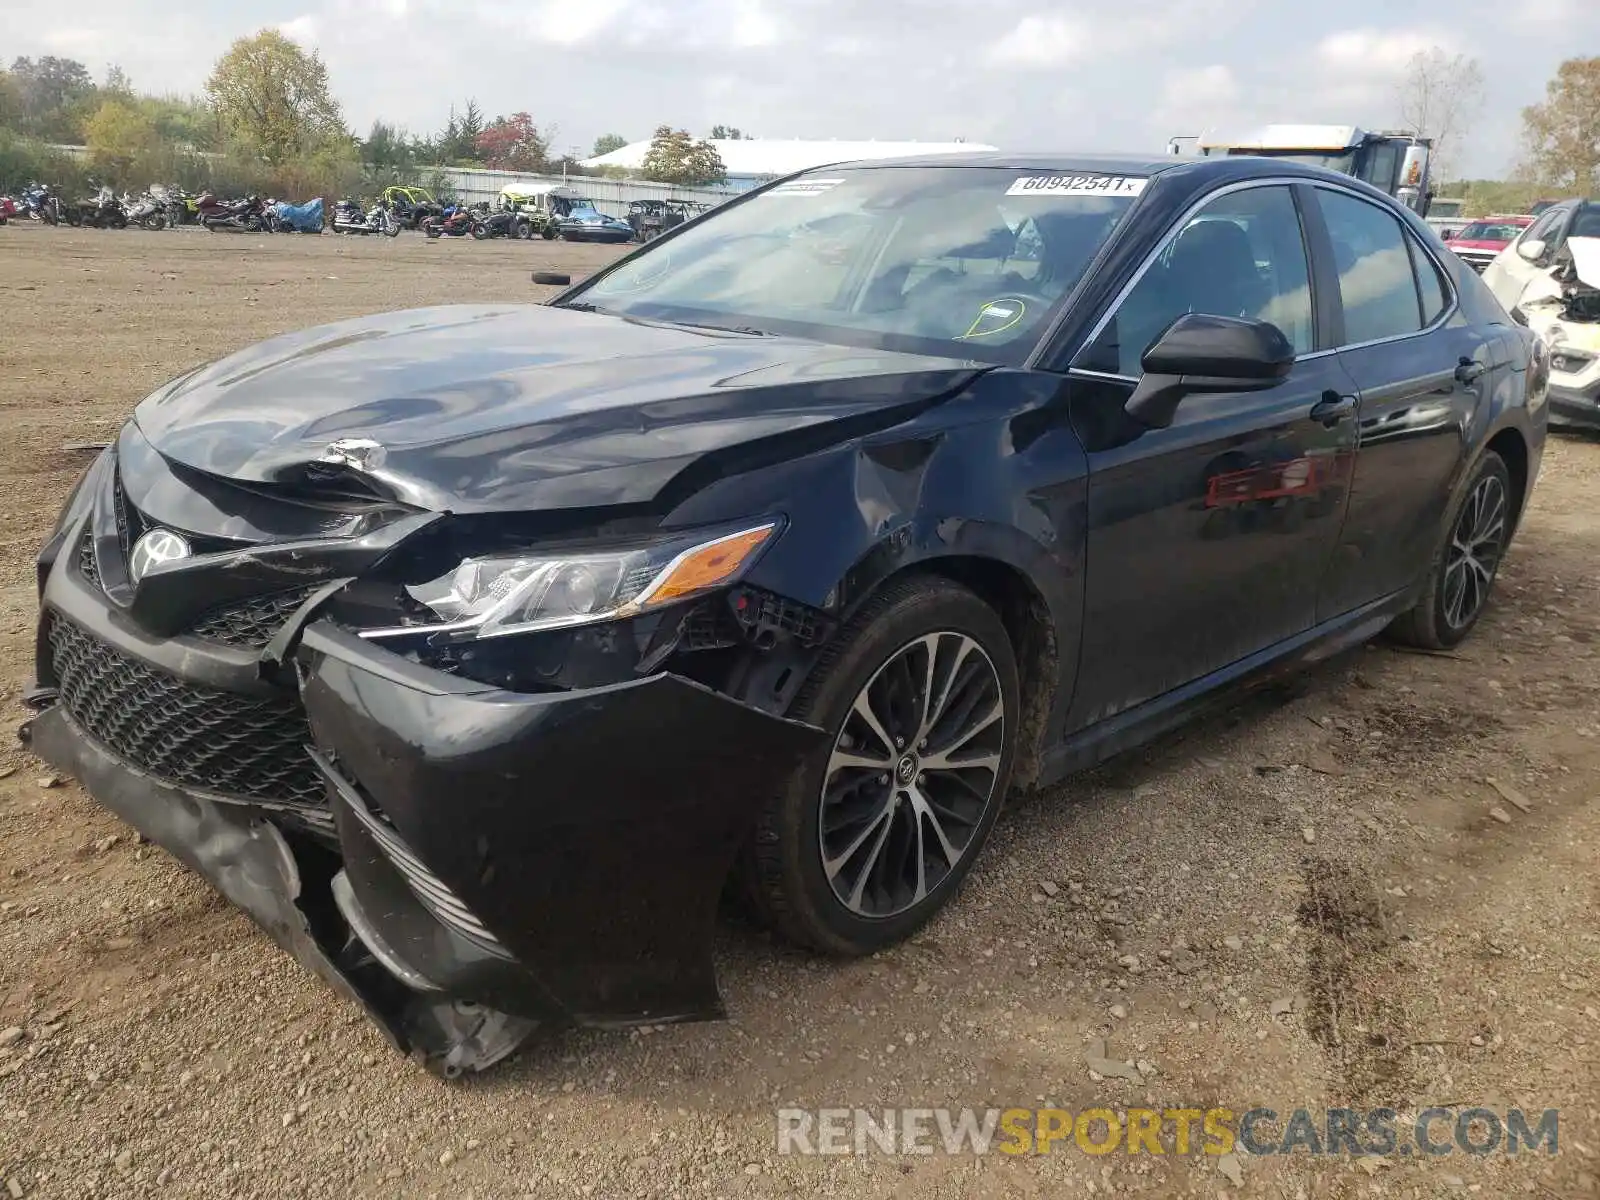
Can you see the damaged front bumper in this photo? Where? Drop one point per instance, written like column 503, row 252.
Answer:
column 486, row 860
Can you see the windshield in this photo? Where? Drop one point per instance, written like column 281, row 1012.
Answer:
column 1489, row 231
column 958, row 261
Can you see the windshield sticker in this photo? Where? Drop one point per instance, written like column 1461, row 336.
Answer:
column 996, row 316
column 804, row 187
column 1078, row 185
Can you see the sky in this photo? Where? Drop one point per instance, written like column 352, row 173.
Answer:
column 1023, row 75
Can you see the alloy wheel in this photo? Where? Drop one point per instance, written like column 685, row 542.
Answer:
column 912, row 774
column 1474, row 552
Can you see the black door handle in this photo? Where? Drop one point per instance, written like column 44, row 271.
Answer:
column 1333, row 408
column 1468, row 371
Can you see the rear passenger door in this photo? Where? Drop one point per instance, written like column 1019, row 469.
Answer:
column 1420, row 370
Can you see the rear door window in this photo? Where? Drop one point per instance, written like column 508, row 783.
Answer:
column 1377, row 283
column 1430, row 283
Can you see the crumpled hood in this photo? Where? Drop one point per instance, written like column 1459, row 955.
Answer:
column 519, row 406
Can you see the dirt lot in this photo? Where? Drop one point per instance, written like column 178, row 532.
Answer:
column 1337, row 846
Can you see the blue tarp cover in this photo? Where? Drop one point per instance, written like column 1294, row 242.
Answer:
column 306, row 218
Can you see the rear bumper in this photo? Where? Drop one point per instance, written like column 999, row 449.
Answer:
column 487, row 860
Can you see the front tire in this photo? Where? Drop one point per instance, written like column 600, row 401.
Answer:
column 1463, row 571
column 868, row 839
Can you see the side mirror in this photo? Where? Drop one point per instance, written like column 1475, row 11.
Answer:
column 1531, row 249
column 1200, row 352
column 1448, row 234
column 552, row 278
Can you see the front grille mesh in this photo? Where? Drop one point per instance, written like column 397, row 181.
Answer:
column 87, row 566
column 250, row 623
column 181, row 732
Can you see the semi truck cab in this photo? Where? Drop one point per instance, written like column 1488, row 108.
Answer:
column 1396, row 163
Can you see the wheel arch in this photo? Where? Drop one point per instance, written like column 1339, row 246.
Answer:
column 1026, row 616
column 1512, row 447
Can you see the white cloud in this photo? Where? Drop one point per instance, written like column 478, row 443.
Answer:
column 753, row 25
column 1042, row 42
column 302, row 29
column 1202, row 87
column 1045, row 74
column 1377, row 51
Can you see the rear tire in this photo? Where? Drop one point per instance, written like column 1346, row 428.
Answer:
column 849, row 858
column 1465, row 565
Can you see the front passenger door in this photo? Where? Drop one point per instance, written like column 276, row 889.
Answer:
column 1207, row 538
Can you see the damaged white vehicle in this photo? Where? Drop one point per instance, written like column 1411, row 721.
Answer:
column 1549, row 279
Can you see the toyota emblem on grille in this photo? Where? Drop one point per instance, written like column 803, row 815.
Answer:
column 154, row 548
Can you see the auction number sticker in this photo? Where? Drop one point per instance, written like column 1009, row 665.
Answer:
column 805, row 187
column 1077, row 185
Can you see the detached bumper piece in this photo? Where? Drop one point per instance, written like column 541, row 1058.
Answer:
column 465, row 863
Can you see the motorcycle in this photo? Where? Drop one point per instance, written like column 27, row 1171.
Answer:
column 101, row 211
column 146, row 211
column 8, row 209
column 455, row 221
column 348, row 218
column 179, row 205
column 249, row 215
column 501, row 224
column 43, row 203
column 300, row 218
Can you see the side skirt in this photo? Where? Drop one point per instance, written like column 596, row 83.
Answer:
column 1104, row 739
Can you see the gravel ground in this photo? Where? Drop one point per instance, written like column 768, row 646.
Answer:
column 1316, row 899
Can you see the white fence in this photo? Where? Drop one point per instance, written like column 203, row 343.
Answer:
column 472, row 185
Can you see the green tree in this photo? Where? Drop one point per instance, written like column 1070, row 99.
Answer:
column 11, row 111
column 117, row 83
column 388, row 151
column 182, row 122
column 727, row 133
column 676, row 157
column 606, row 143
column 55, row 94
column 1561, row 137
column 118, row 133
column 458, row 142
column 273, row 99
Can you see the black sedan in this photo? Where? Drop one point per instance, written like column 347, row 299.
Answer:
column 474, row 651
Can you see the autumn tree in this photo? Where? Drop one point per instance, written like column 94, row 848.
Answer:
column 273, row 98
column 1561, row 137
column 606, row 143
column 514, row 143
column 119, row 132
column 1440, row 95
column 676, row 157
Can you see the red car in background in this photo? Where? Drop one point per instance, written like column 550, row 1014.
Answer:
column 1481, row 241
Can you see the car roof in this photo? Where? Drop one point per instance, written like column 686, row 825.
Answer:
column 1240, row 166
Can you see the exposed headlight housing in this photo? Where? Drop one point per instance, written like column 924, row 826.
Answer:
column 497, row 595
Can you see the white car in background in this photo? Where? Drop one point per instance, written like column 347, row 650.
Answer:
column 1549, row 279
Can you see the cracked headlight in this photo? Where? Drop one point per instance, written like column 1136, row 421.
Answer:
column 496, row 595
